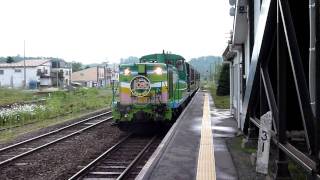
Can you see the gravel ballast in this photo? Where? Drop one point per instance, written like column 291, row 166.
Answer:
column 62, row 160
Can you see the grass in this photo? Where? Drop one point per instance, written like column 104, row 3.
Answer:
column 236, row 145
column 8, row 135
column 296, row 172
column 220, row 102
column 59, row 106
column 78, row 100
column 9, row 96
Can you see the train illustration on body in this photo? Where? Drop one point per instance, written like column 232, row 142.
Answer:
column 154, row 90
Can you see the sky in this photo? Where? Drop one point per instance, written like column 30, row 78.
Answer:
column 94, row 31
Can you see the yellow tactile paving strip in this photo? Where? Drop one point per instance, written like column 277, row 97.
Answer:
column 206, row 169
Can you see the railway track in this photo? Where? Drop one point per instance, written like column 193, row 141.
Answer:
column 124, row 160
column 21, row 149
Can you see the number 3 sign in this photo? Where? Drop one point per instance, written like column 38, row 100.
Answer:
column 264, row 143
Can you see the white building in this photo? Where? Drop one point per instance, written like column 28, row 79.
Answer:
column 34, row 74
column 239, row 50
column 274, row 57
column 61, row 73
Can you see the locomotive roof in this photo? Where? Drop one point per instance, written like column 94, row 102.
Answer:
column 161, row 57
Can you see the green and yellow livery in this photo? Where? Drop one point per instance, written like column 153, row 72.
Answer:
column 155, row 89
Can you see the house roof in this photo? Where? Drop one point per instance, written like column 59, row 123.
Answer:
column 29, row 63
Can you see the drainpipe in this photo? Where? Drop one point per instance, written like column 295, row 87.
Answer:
column 312, row 55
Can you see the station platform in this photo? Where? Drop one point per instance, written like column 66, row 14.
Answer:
column 195, row 148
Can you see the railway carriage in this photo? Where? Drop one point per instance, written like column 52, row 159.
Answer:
column 155, row 89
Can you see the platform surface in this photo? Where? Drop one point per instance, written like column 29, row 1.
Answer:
column 184, row 152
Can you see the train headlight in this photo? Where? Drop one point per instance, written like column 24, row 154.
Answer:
column 158, row 71
column 127, row 72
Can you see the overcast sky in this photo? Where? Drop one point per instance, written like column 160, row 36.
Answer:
column 91, row 31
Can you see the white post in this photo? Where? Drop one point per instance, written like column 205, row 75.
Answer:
column 264, row 143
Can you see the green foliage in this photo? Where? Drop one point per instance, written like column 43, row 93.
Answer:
column 9, row 96
column 224, row 81
column 18, row 58
column 220, row 102
column 217, row 72
column 129, row 60
column 206, row 65
column 61, row 103
column 76, row 66
column 237, row 145
column 80, row 99
column 296, row 172
column 10, row 59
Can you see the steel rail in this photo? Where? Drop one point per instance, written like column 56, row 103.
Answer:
column 52, row 142
column 136, row 159
column 84, row 171
column 53, row 132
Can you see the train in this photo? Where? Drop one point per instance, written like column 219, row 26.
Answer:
column 154, row 90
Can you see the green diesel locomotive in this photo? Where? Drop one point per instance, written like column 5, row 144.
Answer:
column 155, row 89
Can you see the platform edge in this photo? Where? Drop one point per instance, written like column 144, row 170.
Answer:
column 147, row 169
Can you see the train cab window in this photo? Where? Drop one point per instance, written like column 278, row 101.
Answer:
column 179, row 65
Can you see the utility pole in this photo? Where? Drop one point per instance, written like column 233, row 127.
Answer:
column 105, row 74
column 24, row 65
column 210, row 72
column 58, row 78
column 115, row 77
column 97, row 76
column 70, row 74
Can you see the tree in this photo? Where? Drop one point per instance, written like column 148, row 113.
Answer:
column 76, row 66
column 217, row 72
column 106, row 63
column 223, row 83
column 129, row 60
column 10, row 59
column 206, row 64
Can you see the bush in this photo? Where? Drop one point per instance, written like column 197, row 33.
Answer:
column 58, row 104
column 223, row 88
